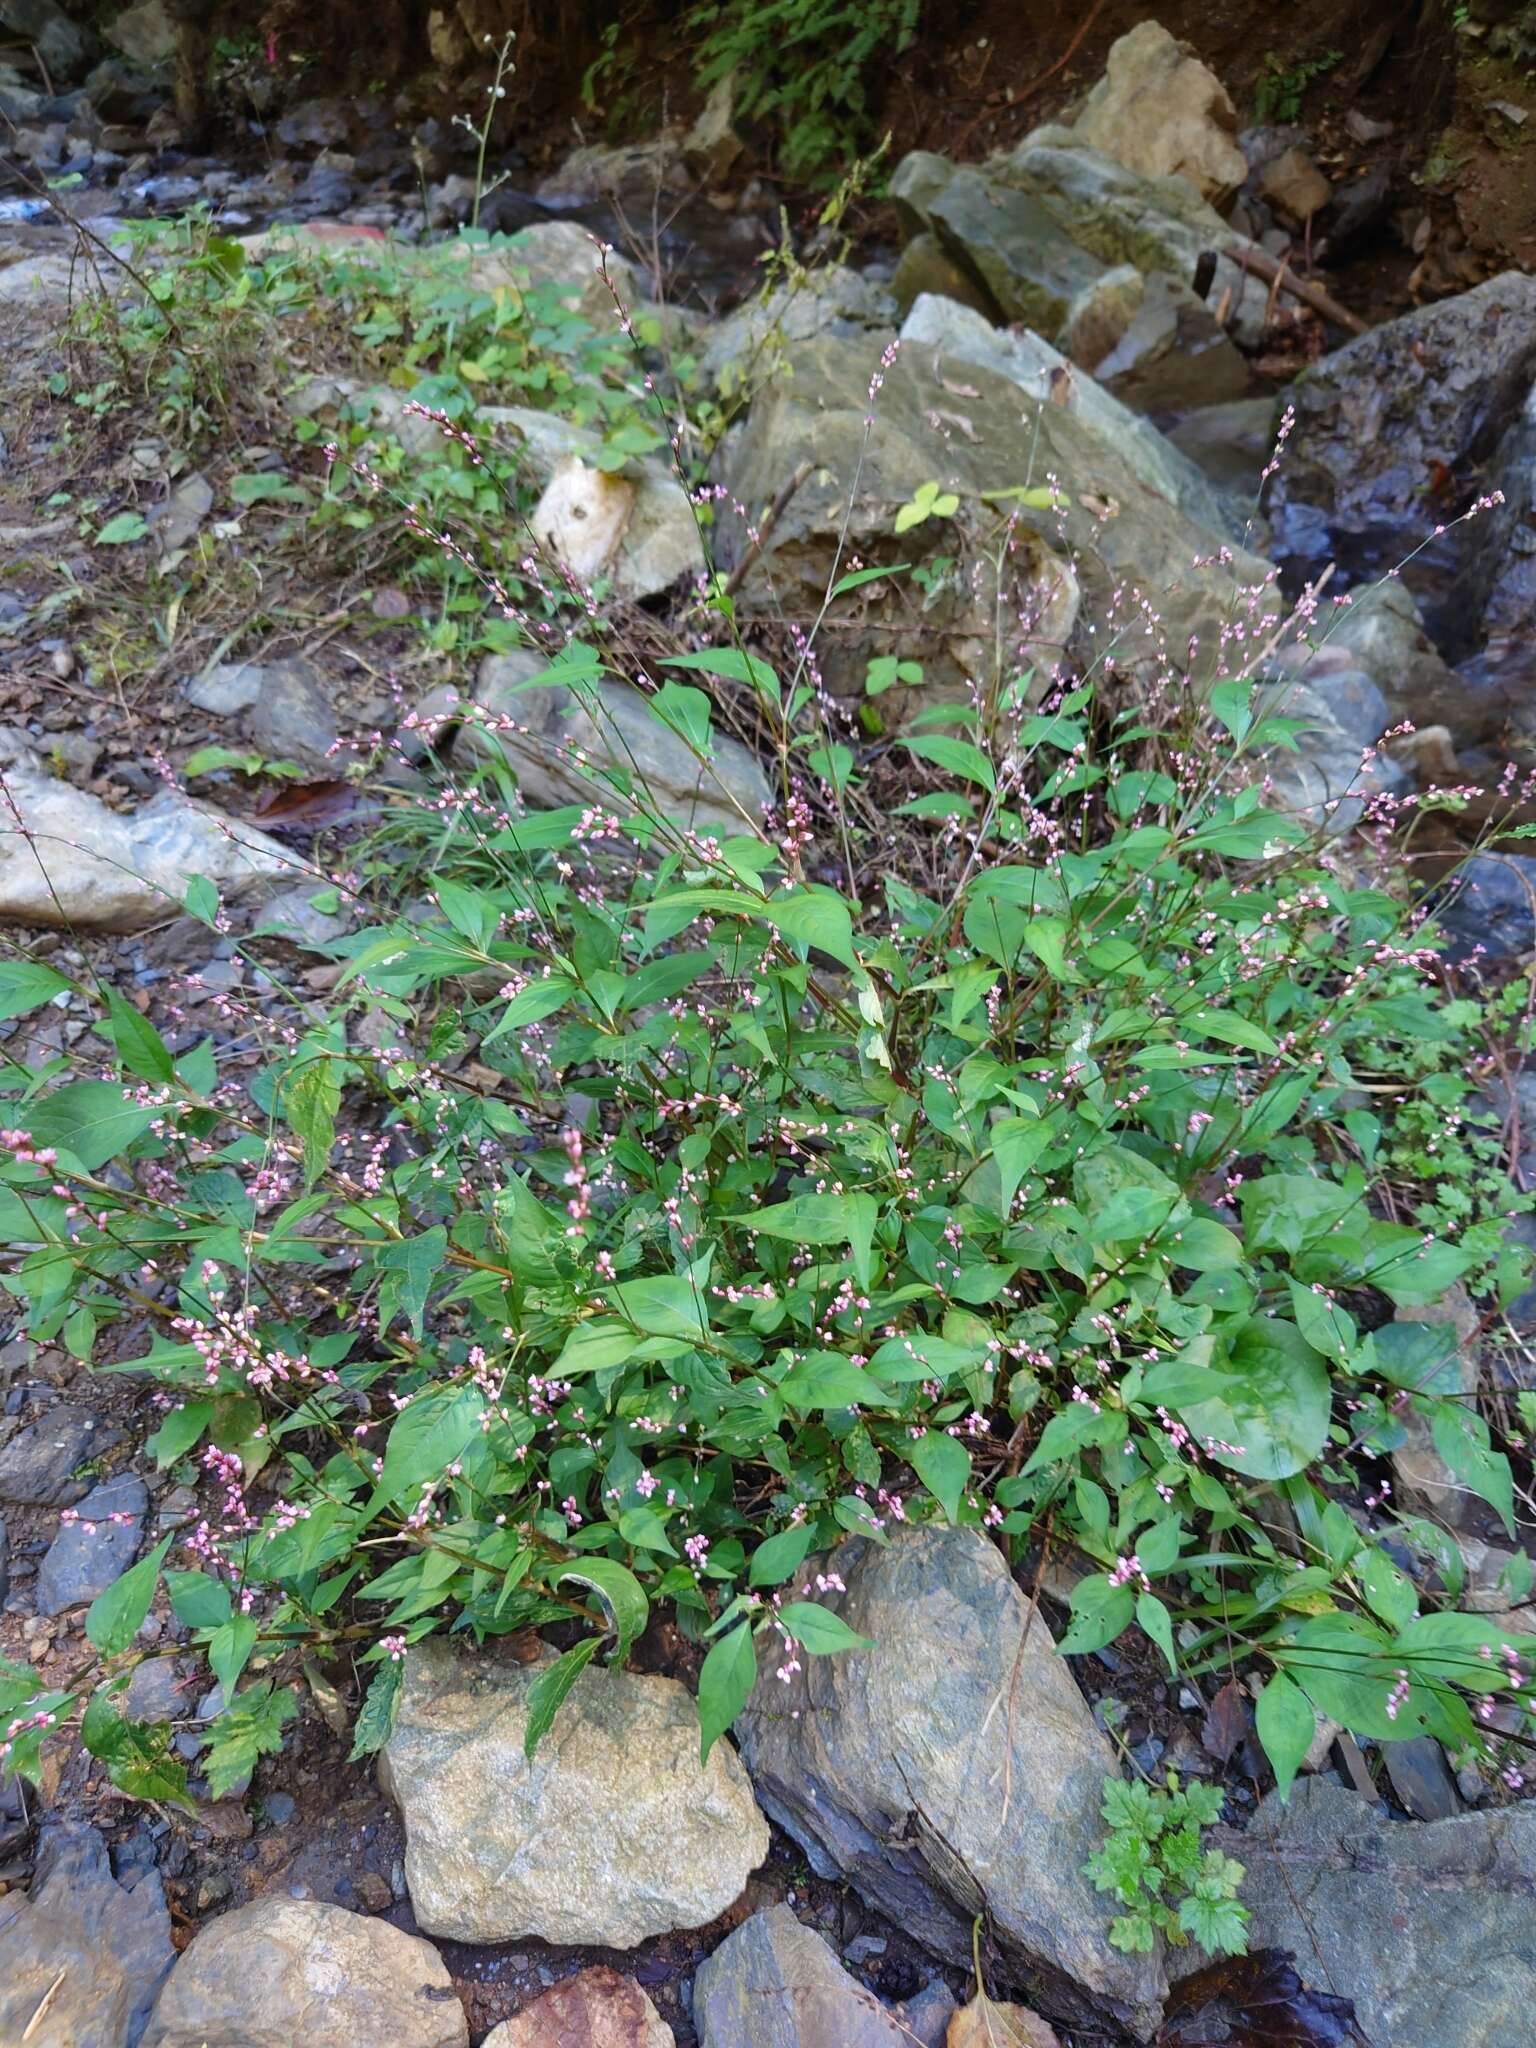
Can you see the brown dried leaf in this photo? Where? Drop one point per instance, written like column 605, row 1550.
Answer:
column 986, row 2024
column 1227, row 1722
column 306, row 803
column 1256, row 2001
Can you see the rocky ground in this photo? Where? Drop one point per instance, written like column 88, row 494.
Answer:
column 1126, row 304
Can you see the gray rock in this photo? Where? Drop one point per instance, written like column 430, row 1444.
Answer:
column 927, row 2016
column 284, row 1972
column 611, row 1834
column 541, row 728
column 5, row 1563
column 147, row 34
column 1428, row 1927
column 925, row 265
column 953, row 1769
column 1489, row 911
column 1231, row 442
column 776, row 1984
column 1160, row 111
column 294, row 915
column 291, row 719
column 1497, row 589
column 101, row 1949
column 1421, row 1778
column 1337, row 768
column 957, row 332
column 1030, row 270
column 229, row 687
column 82, row 864
column 744, row 347
column 60, row 42
column 154, row 1692
column 1170, row 353
column 37, row 1462
column 1376, row 418
column 88, row 1555
column 315, row 124
column 566, row 255
column 176, row 520
column 636, row 172
column 1112, row 532
column 1379, row 628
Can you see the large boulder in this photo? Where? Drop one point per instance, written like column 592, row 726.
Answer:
column 81, row 1956
column 1427, row 1926
column 1412, row 405
column 1148, row 574
column 741, row 350
column 958, row 332
column 776, row 1984
column 1497, row 595
column 953, row 1769
column 1160, row 111
column 611, row 1833
column 66, row 858
column 292, row 1973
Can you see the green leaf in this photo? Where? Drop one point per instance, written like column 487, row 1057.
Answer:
column 115, row 1616
column 735, row 664
column 256, row 486
column 25, row 985
column 92, row 1119
column 250, row 1727
column 429, row 1436
column 1227, row 1027
column 1017, row 1142
column 137, row 1756
column 1156, row 1622
column 1389, row 1592
column 375, row 1721
column 621, row 1594
column 663, row 1305
column 958, row 757
column 126, row 526
column 815, row 918
column 1270, row 1416
column 944, row 1466
column 819, row 1630
column 311, row 1097
column 181, row 1429
column 1099, row 1612
column 198, row 1600
column 1202, row 1246
column 202, row 900
column 781, row 1556
column 1462, row 1439
column 820, row 1220
column 1286, row 1723
column 726, row 1679
column 826, row 1379
column 686, row 712
column 229, row 1650
column 547, row 1693
column 418, row 1262
column 139, row 1045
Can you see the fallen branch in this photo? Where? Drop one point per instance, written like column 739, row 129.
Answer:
column 769, row 521
column 1275, row 272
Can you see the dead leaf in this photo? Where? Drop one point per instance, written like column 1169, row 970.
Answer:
column 1256, row 2001
column 1227, row 1722
column 957, row 420
column 986, row 2024
column 960, row 390
column 306, row 803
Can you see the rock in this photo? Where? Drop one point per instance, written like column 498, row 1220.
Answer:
column 712, row 146
column 294, row 915
column 1363, row 129
column 38, row 1461
column 89, row 1554
column 927, row 2016
column 176, row 520
column 48, row 281
column 886, row 1767
column 291, row 719
column 1157, row 224
column 597, row 2008
column 571, row 258
column 956, row 332
column 285, row 1971
column 1294, row 186
column 82, row 864
column 1379, row 628
column 147, row 34
column 1427, row 1927
column 228, row 687
column 1421, row 1777
column 81, row 1957
column 1157, row 347
column 611, row 1834
column 647, row 547
column 635, row 172
column 1425, row 394
column 1489, row 911
column 154, row 1692
column 1497, row 588
column 744, row 348
column 1160, row 111
column 60, row 43
column 1231, row 442
column 581, row 517
column 776, row 1984
column 5, row 1563
column 540, row 728
column 1337, row 767
column 315, row 124
column 1111, row 531
column 1003, row 237
column 925, row 265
